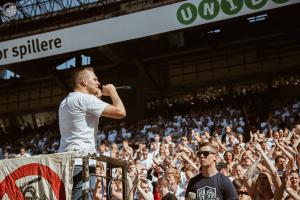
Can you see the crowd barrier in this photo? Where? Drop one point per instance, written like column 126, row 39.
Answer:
column 51, row 176
column 111, row 163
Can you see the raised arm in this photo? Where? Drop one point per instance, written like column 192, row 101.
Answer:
column 283, row 149
column 193, row 164
column 132, row 184
column 117, row 109
column 278, row 194
column 292, row 193
column 270, row 153
column 270, row 167
column 287, row 154
column 290, row 135
column 142, row 192
column 297, row 139
column 251, row 169
column 248, row 176
column 221, row 145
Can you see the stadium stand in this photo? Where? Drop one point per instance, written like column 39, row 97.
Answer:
column 232, row 82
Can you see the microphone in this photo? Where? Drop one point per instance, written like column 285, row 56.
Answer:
column 124, row 87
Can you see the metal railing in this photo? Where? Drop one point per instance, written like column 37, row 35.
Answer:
column 111, row 163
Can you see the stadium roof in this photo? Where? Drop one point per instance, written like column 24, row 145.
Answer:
column 243, row 49
column 271, row 32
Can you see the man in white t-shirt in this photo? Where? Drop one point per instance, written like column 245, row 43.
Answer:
column 23, row 153
column 146, row 162
column 79, row 115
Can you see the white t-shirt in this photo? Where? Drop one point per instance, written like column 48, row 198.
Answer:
column 146, row 163
column 78, row 122
column 25, row 155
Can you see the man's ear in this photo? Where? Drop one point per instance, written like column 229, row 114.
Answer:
column 83, row 82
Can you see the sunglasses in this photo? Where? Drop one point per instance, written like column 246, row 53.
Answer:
column 204, row 153
column 242, row 192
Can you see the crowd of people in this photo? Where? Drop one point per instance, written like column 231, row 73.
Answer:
column 266, row 167
column 257, row 151
column 42, row 140
column 244, row 148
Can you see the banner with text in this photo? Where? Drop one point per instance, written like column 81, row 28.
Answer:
column 126, row 27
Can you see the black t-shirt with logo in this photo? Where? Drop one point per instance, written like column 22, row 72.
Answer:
column 217, row 187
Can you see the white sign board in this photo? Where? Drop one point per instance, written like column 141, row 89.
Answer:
column 126, row 27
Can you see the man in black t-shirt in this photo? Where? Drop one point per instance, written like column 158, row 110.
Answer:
column 210, row 184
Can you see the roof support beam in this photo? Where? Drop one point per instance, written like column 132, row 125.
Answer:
column 146, row 74
column 56, row 76
column 110, row 54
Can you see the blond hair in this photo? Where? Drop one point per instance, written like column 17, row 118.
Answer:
column 78, row 74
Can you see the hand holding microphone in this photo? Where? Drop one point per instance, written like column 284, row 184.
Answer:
column 109, row 89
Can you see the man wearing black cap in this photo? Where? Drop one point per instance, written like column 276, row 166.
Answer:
column 210, row 184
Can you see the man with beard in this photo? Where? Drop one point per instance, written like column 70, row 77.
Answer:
column 210, row 184
column 79, row 115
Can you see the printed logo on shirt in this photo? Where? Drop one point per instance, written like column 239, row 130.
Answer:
column 207, row 193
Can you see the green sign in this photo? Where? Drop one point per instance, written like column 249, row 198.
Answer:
column 188, row 12
column 231, row 7
column 209, row 9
